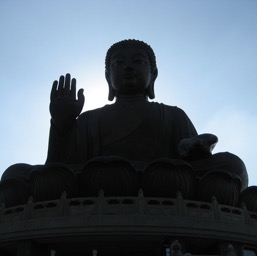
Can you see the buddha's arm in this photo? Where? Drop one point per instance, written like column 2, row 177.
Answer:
column 189, row 144
column 64, row 109
column 61, row 144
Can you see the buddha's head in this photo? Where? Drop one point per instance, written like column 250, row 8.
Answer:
column 130, row 69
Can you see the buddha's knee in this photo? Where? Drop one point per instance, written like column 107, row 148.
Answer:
column 17, row 171
column 233, row 164
column 223, row 160
column 14, row 185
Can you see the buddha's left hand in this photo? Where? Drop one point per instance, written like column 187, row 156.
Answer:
column 200, row 146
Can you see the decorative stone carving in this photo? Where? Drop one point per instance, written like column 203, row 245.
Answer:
column 167, row 177
column 50, row 181
column 224, row 185
column 249, row 198
column 114, row 175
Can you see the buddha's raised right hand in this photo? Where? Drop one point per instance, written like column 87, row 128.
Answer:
column 64, row 107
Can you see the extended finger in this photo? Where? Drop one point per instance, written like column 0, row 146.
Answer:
column 73, row 89
column 81, row 98
column 67, row 84
column 60, row 86
column 54, row 90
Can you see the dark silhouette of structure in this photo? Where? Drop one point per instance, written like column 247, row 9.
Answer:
column 130, row 178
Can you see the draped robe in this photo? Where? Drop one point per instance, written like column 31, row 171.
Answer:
column 137, row 130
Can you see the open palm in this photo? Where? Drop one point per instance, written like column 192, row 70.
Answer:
column 63, row 104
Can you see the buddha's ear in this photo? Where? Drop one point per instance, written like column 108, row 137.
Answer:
column 150, row 89
column 111, row 90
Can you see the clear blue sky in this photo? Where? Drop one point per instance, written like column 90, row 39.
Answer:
column 206, row 55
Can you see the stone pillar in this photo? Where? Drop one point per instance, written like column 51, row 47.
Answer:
column 29, row 248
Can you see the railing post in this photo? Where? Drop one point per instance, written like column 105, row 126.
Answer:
column 62, row 205
column 180, row 204
column 28, row 208
column 28, row 248
column 141, row 202
column 246, row 213
column 100, row 202
column 216, row 209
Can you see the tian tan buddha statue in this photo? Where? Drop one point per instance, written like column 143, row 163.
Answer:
column 129, row 145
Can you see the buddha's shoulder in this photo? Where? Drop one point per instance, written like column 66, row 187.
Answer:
column 168, row 108
column 94, row 112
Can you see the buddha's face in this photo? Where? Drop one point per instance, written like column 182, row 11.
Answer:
column 130, row 71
